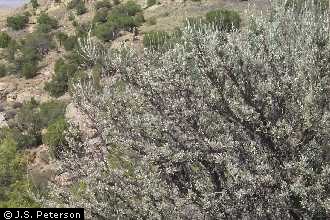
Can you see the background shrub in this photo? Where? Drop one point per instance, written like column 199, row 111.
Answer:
column 78, row 5
column 104, row 4
column 151, row 3
column 61, row 37
column 17, row 22
column 11, row 50
column 58, row 85
column 130, row 8
column 14, row 185
column 46, row 23
column 3, row 70
column 50, row 111
column 81, row 8
column 29, row 70
column 73, row 3
column 161, row 39
column 70, row 43
column 32, row 49
column 31, row 119
column 125, row 16
column 4, row 39
column 28, row 121
column 155, row 39
column 224, row 19
column 106, row 31
column 101, row 15
column 55, row 137
column 71, row 16
column 34, row 3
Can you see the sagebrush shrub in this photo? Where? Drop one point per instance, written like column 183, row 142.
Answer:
column 222, row 126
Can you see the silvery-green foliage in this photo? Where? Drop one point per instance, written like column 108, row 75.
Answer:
column 221, row 126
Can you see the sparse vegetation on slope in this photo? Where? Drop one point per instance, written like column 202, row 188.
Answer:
column 4, row 40
column 17, row 22
column 126, row 16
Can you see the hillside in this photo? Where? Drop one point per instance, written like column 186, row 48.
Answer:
column 166, row 109
column 16, row 90
column 163, row 16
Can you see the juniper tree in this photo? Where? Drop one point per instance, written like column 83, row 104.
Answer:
column 220, row 126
